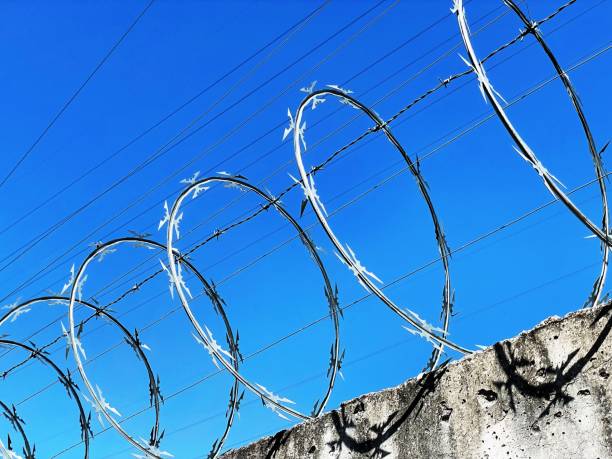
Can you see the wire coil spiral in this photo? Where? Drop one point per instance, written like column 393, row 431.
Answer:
column 232, row 358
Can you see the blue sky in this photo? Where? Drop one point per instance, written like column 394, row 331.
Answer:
column 388, row 53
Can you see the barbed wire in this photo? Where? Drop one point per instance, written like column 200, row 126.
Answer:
column 67, row 382
column 257, row 211
column 10, row 413
column 72, row 336
column 176, row 260
column 583, row 61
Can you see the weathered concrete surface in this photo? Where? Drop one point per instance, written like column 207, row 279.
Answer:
column 543, row 394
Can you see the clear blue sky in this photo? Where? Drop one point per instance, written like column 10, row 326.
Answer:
column 504, row 284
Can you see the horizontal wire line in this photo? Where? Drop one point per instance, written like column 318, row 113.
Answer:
column 72, row 98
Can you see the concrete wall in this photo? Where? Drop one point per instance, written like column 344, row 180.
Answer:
column 543, row 394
